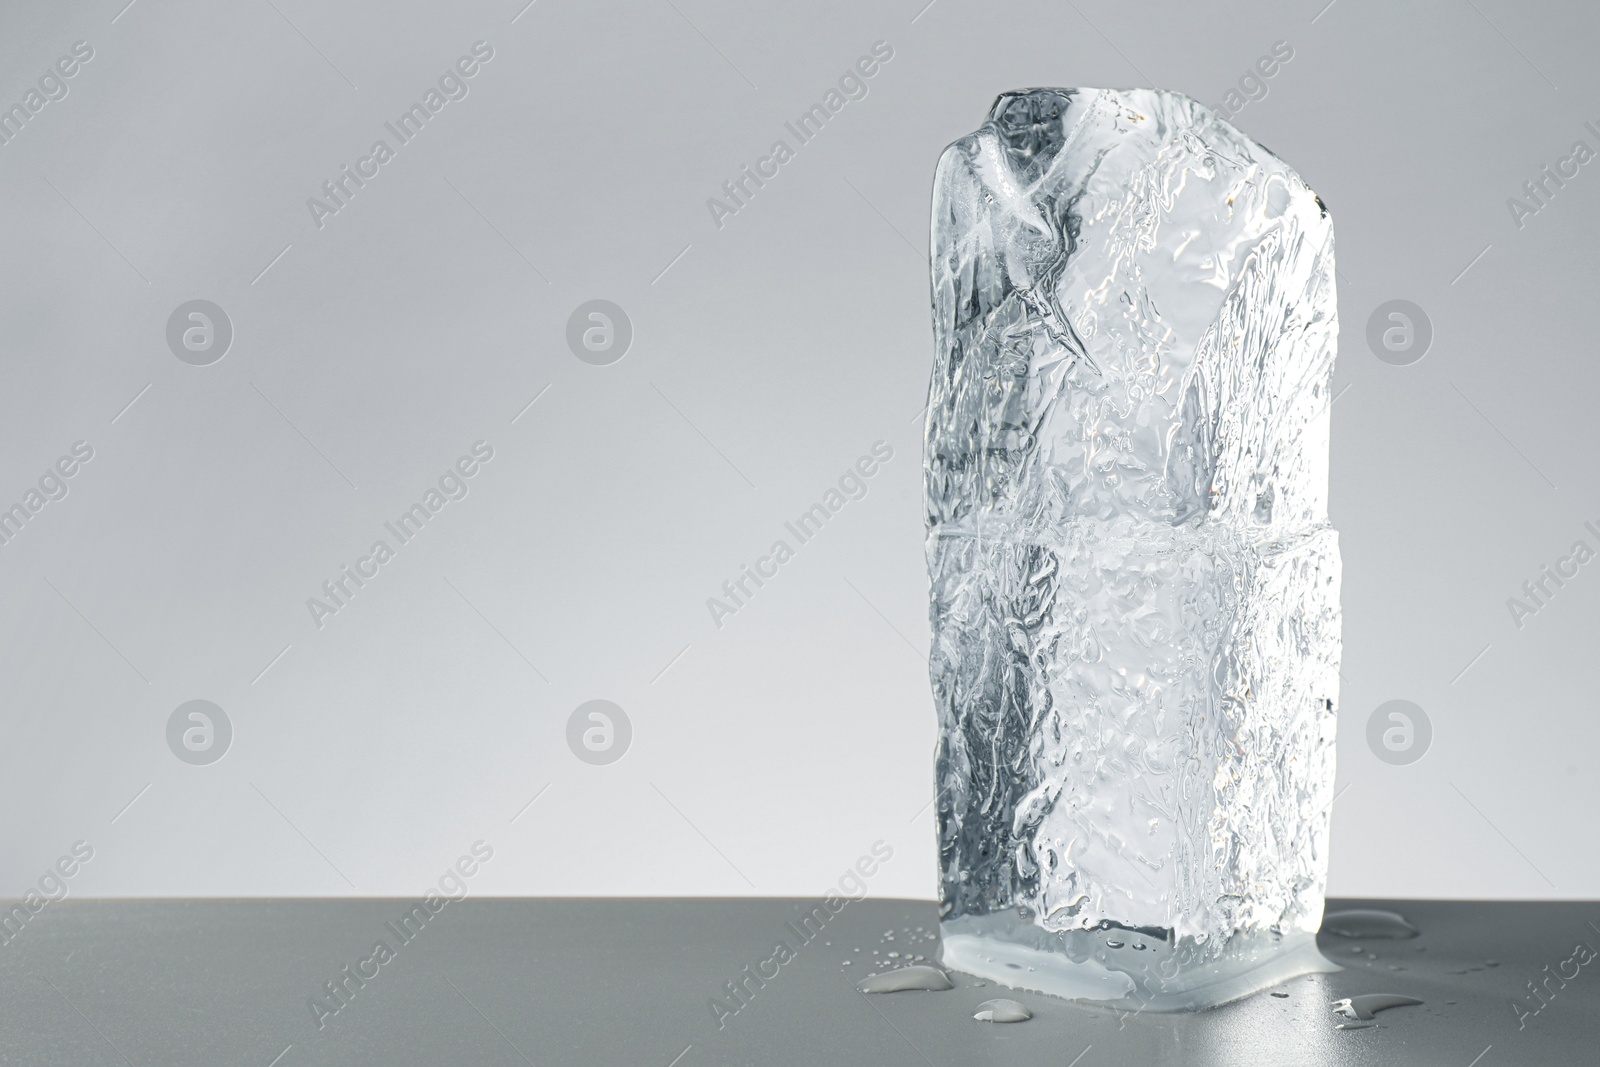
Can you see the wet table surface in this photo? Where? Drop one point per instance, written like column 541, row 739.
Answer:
column 646, row 982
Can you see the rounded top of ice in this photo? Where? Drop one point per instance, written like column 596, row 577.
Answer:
column 1034, row 123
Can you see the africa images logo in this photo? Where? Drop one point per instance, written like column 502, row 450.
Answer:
column 339, row 190
column 452, row 485
column 339, row 991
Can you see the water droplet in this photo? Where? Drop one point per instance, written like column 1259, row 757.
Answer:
column 916, row 976
column 1360, row 1010
column 1368, row 923
column 894, row 955
column 1113, row 944
column 1002, row 1011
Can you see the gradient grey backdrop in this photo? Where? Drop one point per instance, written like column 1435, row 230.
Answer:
column 768, row 355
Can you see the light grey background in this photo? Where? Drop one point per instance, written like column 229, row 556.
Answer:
column 768, row 355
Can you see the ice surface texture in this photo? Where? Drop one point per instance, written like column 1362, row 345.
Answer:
column 1135, row 588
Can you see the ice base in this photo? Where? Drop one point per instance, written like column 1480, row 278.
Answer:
column 1103, row 967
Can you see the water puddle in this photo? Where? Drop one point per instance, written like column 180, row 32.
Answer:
column 1368, row 923
column 1357, row 1013
column 1002, row 1011
column 917, row 976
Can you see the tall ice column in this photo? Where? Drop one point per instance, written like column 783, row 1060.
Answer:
column 1135, row 588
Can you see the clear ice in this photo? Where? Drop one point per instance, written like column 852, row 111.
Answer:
column 1135, row 587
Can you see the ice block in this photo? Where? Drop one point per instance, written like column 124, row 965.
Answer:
column 1135, row 587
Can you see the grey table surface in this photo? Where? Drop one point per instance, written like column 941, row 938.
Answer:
column 634, row 981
